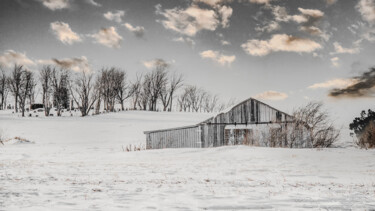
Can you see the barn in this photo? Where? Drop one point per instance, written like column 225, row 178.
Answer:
column 250, row 122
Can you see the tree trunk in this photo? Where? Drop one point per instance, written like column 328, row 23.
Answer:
column 16, row 103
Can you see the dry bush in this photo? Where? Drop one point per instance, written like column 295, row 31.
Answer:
column 367, row 137
column 322, row 132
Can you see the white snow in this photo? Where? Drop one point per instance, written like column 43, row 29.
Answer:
column 77, row 163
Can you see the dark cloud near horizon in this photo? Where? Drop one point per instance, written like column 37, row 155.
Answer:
column 365, row 87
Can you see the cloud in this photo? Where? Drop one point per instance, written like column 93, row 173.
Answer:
column 92, row 2
column 260, row 1
column 335, row 61
column 114, row 16
column 10, row 58
column 270, row 27
column 56, row 4
column 271, row 95
column 334, row 83
column 108, row 37
column 339, row 49
column 330, row 2
column 280, row 14
column 367, row 10
column 193, row 19
column 138, row 31
column 364, row 87
column 280, row 42
column 186, row 40
column 224, row 42
column 218, row 57
column 225, row 13
column 75, row 64
column 64, row 33
column 151, row 64
column 212, row 2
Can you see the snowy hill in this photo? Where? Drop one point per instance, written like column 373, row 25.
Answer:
column 78, row 163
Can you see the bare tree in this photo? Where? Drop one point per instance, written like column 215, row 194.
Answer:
column 169, row 89
column 15, row 83
column 59, row 82
column 121, row 87
column 210, row 102
column 83, row 93
column 45, row 76
column 322, row 132
column 158, row 79
column 3, row 89
column 108, row 88
column 145, row 94
column 27, row 83
column 136, row 89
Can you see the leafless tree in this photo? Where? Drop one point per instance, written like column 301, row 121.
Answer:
column 121, row 87
column 158, row 79
column 108, row 88
column 136, row 88
column 15, row 83
column 3, row 89
column 83, row 93
column 60, row 82
column 45, row 76
column 322, row 132
column 169, row 89
column 210, row 102
column 145, row 94
column 27, row 83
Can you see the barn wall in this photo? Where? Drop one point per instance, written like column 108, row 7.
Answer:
column 188, row 137
column 211, row 133
column 249, row 111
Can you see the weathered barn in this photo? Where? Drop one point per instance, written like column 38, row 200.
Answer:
column 250, row 122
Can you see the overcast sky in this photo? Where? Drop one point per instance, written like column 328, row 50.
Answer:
column 285, row 52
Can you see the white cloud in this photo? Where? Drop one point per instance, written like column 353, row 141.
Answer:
column 224, row 42
column 151, row 64
column 330, row 2
column 10, row 58
column 271, row 95
column 75, row 64
column 108, row 37
column 311, row 12
column 212, row 2
column 114, row 16
column 334, row 83
column 271, row 26
column 218, row 57
column 367, row 10
column 56, row 4
column 186, row 40
column 339, row 49
column 260, row 1
column 138, row 31
column 225, row 13
column 64, row 33
column 92, row 2
column 193, row 19
column 335, row 61
column 280, row 42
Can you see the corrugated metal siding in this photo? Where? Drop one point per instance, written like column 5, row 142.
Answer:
column 189, row 137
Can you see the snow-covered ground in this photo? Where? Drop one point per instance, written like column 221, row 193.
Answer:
column 75, row 163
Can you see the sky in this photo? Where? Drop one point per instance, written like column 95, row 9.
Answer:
column 283, row 52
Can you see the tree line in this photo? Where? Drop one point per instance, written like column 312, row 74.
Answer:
column 60, row 89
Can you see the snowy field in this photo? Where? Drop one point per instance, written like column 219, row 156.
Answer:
column 75, row 163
